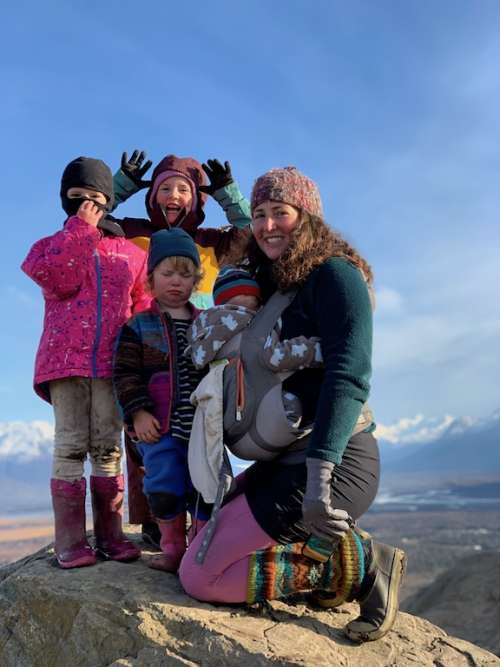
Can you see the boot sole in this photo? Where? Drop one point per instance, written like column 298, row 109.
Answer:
column 326, row 602
column 123, row 558
column 398, row 568
column 85, row 561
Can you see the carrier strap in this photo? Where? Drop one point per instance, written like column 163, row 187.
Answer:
column 265, row 318
column 225, row 484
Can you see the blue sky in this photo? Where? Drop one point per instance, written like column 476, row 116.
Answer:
column 392, row 107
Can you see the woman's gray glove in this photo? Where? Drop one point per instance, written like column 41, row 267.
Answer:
column 319, row 517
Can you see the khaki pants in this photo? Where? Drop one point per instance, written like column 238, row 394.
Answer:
column 87, row 421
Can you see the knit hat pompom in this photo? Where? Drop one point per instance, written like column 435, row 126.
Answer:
column 290, row 186
column 171, row 243
column 233, row 281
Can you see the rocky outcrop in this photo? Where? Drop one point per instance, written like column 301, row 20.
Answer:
column 128, row 615
column 465, row 600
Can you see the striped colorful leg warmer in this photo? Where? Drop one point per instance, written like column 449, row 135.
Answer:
column 282, row 570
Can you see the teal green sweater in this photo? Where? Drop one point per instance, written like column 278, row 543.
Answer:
column 333, row 304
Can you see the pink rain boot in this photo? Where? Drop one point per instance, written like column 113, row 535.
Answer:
column 107, row 501
column 172, row 543
column 71, row 546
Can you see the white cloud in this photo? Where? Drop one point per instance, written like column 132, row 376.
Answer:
column 431, row 207
column 388, row 301
column 446, row 329
column 417, row 339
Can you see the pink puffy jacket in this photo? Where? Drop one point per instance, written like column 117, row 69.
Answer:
column 91, row 285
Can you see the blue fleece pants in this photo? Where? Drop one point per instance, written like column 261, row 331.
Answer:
column 167, row 483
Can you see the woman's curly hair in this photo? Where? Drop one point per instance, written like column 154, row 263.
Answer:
column 312, row 243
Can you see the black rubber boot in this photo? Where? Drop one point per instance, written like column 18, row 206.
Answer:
column 379, row 604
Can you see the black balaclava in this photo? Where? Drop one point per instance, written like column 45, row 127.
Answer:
column 86, row 172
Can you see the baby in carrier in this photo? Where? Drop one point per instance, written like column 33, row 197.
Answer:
column 214, row 339
column 214, row 334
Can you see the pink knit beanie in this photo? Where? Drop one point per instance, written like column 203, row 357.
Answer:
column 290, row 186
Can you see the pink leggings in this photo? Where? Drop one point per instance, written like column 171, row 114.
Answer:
column 222, row 577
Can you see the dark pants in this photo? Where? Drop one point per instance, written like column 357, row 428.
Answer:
column 138, row 507
column 275, row 490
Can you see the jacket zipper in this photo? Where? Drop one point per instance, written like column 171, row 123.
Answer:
column 171, row 353
column 98, row 313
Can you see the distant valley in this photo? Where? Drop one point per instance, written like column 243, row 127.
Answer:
column 446, row 464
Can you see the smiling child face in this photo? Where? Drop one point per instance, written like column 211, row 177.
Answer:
column 174, row 195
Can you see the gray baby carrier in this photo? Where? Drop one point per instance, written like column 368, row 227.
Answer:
column 256, row 426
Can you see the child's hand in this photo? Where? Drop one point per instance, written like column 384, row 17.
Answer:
column 134, row 168
column 90, row 213
column 219, row 176
column 146, row 427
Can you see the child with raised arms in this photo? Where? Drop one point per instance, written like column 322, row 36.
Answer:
column 175, row 198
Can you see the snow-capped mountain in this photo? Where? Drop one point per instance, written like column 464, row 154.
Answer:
column 417, row 445
column 444, row 445
column 25, row 441
column 25, row 461
column 414, row 430
column 422, row 430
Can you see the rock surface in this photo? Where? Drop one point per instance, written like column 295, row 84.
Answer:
column 465, row 600
column 127, row 615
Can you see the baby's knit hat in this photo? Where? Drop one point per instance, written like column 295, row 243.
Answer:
column 233, row 281
column 290, row 186
column 171, row 243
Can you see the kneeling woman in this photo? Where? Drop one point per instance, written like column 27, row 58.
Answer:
column 257, row 550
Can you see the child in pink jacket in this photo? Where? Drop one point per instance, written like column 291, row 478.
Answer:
column 93, row 280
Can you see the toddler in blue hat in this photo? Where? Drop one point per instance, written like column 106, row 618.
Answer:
column 153, row 382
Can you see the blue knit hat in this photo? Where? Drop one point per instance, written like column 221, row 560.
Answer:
column 171, row 243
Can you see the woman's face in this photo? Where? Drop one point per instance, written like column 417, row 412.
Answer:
column 273, row 223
